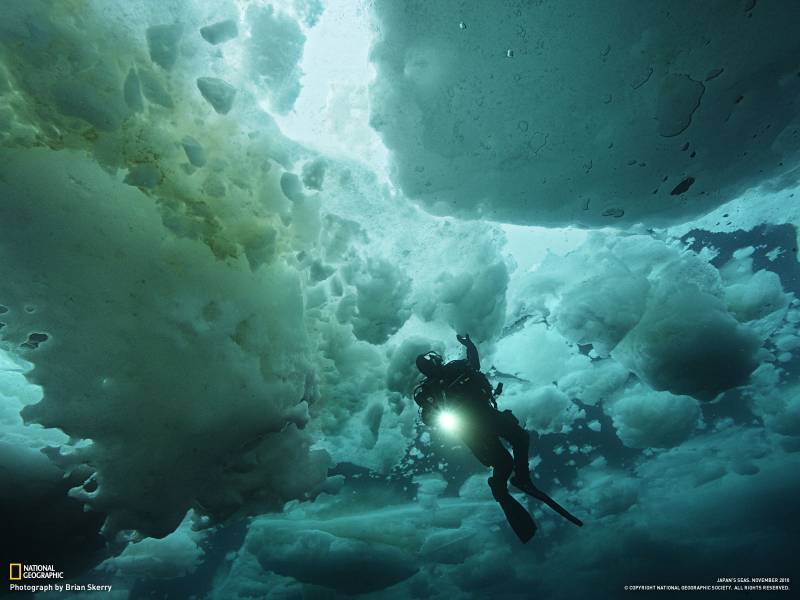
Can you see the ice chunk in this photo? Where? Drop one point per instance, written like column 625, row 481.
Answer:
column 601, row 309
column 755, row 295
column 175, row 555
column 546, row 409
column 595, row 383
column 381, row 307
column 309, row 11
column 657, row 310
column 153, row 89
column 787, row 342
column 291, row 187
column 474, row 300
column 162, row 41
column 778, row 404
column 329, row 556
column 430, row 487
column 647, row 419
column 219, row 32
column 314, row 174
column 608, row 492
column 96, row 98
column 218, row 93
column 319, row 271
column 214, row 186
column 144, row 176
column 132, row 91
column 275, row 48
column 194, row 151
column 688, row 343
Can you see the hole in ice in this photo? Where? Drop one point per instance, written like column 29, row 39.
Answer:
column 34, row 339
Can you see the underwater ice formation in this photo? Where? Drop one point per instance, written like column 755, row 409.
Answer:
column 585, row 121
column 203, row 318
column 157, row 304
column 151, row 280
column 273, row 53
column 175, row 555
column 546, row 409
column 649, row 419
column 657, row 309
column 220, row 32
column 219, row 94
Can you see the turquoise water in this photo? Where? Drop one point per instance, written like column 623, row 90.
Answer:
column 227, row 230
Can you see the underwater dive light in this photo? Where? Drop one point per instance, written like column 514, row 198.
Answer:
column 448, row 421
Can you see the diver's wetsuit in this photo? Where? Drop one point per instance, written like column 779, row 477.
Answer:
column 460, row 385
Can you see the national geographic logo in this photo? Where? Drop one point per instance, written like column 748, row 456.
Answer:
column 20, row 572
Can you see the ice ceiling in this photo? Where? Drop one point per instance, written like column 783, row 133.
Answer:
column 227, row 228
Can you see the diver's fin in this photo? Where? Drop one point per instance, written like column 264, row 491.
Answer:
column 520, row 520
column 529, row 488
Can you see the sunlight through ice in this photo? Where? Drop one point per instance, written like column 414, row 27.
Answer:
column 331, row 114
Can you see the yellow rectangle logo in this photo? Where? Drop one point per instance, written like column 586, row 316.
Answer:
column 15, row 571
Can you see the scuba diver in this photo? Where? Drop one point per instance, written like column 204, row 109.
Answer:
column 458, row 397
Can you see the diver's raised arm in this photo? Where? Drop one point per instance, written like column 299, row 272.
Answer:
column 472, row 352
